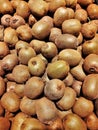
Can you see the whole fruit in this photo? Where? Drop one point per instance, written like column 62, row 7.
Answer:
column 33, row 87
column 20, row 73
column 58, row 69
column 89, row 47
column 71, row 26
column 90, row 87
column 90, row 63
column 73, row 122
column 83, row 107
column 36, row 66
column 54, row 89
column 72, row 56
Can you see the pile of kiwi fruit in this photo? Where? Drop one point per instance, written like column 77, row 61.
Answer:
column 48, row 65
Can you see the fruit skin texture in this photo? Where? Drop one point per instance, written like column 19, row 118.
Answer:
column 73, row 122
column 10, row 101
column 34, row 87
column 20, row 73
column 90, row 64
column 46, row 110
column 83, row 107
column 4, row 123
column 89, row 47
column 36, row 66
column 41, row 29
column 90, row 86
column 72, row 56
column 18, row 120
column 71, row 26
column 33, row 124
column 67, row 101
column 58, row 69
column 92, row 11
column 64, row 41
column 54, row 89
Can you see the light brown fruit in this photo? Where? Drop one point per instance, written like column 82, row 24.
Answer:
column 58, row 69
column 20, row 73
column 74, row 122
column 72, row 56
column 83, row 107
column 68, row 99
column 10, row 101
column 54, row 89
column 34, row 87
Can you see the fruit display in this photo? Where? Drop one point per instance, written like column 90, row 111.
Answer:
column 48, row 65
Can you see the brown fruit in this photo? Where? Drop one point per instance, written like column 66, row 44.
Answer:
column 54, row 33
column 72, row 56
column 33, row 124
column 25, row 54
column 57, row 124
column 23, row 9
column 89, row 87
column 64, row 41
column 24, row 32
column 27, row 106
column 83, row 107
column 5, row 7
column 1, row 32
column 2, row 86
column 15, row 3
column 92, row 121
column 90, row 63
column 2, row 110
column 34, row 87
column 9, row 62
column 49, row 50
column 92, row 10
column 10, row 36
column 54, row 89
column 18, row 120
column 21, row 73
column 32, row 20
column 16, row 21
column 71, row 26
column 77, row 85
column 58, row 69
column 36, row 66
column 5, row 20
column 68, row 99
column 46, row 110
column 85, row 2
column 10, row 101
column 81, row 14
column 62, row 14
column 21, row 44
column 55, row 4
column 88, row 30
column 78, row 72
column 37, row 45
column 19, row 90
column 4, row 50
column 4, row 123
column 74, row 122
column 38, row 8
column 41, row 29
column 89, row 46
column 68, row 79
